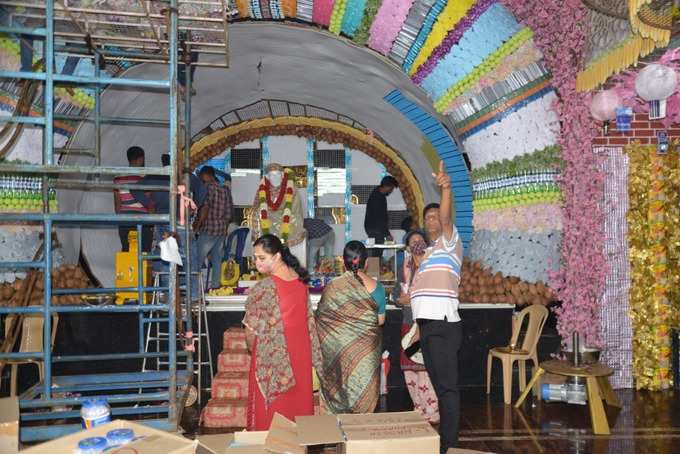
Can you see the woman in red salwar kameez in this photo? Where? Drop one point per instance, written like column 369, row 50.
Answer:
column 281, row 336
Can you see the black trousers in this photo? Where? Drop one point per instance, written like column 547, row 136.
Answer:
column 440, row 341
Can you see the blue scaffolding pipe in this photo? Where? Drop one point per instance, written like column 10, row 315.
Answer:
column 79, row 291
column 86, row 309
column 23, row 30
column 21, row 355
column 40, row 395
column 39, row 433
column 85, row 80
column 110, row 356
column 173, row 415
column 112, row 399
column 94, row 218
column 114, row 120
column 116, row 411
column 23, row 120
column 19, row 265
column 87, row 170
column 98, row 113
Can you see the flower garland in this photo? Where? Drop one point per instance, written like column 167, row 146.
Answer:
column 216, row 142
column 516, row 196
column 503, row 107
column 354, row 12
column 286, row 193
column 486, row 66
column 653, row 221
column 559, row 28
column 339, row 9
column 546, row 158
column 387, row 23
column 449, row 18
column 423, row 33
column 535, row 218
column 289, row 8
column 322, row 12
column 363, row 31
column 526, row 55
column 534, row 127
column 494, row 27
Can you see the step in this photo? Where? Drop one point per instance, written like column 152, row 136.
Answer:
column 221, row 413
column 233, row 361
column 234, row 339
column 230, row 385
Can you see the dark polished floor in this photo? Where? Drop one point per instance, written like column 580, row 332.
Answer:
column 647, row 423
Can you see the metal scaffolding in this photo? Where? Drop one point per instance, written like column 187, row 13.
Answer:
column 71, row 27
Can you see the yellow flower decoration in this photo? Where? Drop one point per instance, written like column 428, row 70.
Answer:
column 448, row 18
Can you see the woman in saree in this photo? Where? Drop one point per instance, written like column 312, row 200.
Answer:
column 281, row 337
column 348, row 320
column 417, row 381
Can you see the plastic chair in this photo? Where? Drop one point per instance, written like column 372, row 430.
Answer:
column 508, row 355
column 240, row 235
column 31, row 341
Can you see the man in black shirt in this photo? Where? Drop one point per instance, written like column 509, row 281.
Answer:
column 375, row 222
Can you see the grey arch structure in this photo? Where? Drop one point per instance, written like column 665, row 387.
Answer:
column 268, row 60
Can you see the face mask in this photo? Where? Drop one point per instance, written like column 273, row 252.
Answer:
column 265, row 267
column 418, row 248
column 275, row 177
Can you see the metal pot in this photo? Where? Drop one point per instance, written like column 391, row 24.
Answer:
column 587, row 355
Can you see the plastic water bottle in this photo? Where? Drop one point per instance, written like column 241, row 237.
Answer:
column 92, row 445
column 119, row 437
column 95, row 412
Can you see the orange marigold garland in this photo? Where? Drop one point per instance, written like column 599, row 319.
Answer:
column 285, row 196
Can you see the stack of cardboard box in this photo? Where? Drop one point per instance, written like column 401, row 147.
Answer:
column 229, row 396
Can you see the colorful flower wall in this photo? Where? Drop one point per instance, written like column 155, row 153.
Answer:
column 493, row 67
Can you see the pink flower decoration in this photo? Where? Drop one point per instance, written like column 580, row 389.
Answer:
column 560, row 28
column 322, row 11
column 387, row 23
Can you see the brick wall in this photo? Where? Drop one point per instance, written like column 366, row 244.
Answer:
column 643, row 130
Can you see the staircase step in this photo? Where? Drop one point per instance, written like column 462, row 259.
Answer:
column 221, row 413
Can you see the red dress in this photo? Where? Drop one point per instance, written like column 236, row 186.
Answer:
column 298, row 401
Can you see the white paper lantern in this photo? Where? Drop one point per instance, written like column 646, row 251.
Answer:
column 656, row 82
column 604, row 104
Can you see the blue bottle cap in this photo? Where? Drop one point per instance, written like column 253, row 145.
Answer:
column 120, row 436
column 92, row 445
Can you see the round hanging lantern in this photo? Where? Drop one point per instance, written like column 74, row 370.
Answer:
column 656, row 82
column 604, row 104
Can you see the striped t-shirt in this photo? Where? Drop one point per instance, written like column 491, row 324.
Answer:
column 128, row 204
column 434, row 291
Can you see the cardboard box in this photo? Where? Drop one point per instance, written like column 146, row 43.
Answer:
column 9, row 425
column 379, row 433
column 153, row 441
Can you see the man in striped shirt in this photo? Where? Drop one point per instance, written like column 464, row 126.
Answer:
column 434, row 301
column 125, row 203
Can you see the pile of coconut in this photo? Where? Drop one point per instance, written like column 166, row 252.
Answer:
column 65, row 276
column 481, row 285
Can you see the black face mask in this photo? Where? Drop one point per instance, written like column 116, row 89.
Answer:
column 418, row 249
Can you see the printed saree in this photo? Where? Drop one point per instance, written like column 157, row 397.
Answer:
column 351, row 342
column 263, row 315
